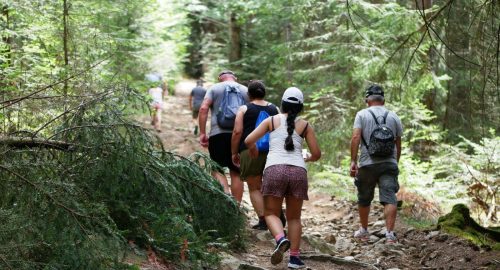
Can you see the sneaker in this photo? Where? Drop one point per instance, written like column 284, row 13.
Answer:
column 390, row 238
column 261, row 226
column 283, row 218
column 195, row 130
column 295, row 263
column 362, row 234
column 281, row 247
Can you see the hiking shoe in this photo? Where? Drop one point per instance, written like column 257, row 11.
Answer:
column 281, row 247
column 195, row 130
column 261, row 226
column 295, row 263
column 283, row 218
column 362, row 234
column 390, row 238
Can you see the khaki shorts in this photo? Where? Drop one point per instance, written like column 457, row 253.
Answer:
column 195, row 113
column 385, row 175
column 251, row 166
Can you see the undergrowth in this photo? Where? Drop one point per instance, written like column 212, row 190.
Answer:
column 76, row 208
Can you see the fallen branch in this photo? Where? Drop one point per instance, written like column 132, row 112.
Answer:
column 23, row 142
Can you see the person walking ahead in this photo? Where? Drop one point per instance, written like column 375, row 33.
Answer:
column 195, row 99
column 247, row 119
column 379, row 132
column 223, row 100
column 285, row 174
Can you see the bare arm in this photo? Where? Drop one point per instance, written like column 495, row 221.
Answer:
column 203, row 116
column 237, row 130
column 191, row 101
column 258, row 133
column 164, row 93
column 313, row 145
column 398, row 148
column 355, row 140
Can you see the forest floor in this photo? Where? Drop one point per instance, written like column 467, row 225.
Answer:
column 328, row 224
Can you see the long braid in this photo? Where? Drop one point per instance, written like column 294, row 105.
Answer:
column 290, row 123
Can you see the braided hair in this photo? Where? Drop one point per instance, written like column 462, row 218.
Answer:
column 292, row 110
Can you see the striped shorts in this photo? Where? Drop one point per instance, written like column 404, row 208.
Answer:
column 285, row 181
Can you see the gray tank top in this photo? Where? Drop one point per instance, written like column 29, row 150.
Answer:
column 277, row 152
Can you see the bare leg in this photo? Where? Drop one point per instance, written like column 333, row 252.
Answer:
column 254, row 186
column 272, row 210
column 363, row 215
column 222, row 180
column 236, row 185
column 293, row 211
column 158, row 119
column 390, row 212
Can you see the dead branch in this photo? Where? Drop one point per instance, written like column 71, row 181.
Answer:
column 26, row 142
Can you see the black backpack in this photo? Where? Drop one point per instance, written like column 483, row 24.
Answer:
column 381, row 140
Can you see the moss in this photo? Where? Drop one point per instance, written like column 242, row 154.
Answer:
column 459, row 223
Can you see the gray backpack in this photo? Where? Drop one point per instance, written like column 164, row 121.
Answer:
column 381, row 139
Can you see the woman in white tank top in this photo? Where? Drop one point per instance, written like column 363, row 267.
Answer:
column 285, row 174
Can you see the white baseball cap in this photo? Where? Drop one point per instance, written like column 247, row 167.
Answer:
column 293, row 95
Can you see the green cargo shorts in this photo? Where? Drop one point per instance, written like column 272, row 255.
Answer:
column 251, row 166
column 385, row 175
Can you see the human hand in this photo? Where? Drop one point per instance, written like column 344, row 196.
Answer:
column 306, row 155
column 204, row 140
column 253, row 151
column 236, row 160
column 354, row 169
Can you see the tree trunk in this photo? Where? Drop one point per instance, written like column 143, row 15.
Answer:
column 194, row 67
column 457, row 105
column 66, row 53
column 235, row 31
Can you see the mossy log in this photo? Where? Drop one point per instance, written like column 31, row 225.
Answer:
column 459, row 223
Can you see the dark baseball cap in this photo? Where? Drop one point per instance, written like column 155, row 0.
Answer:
column 226, row 72
column 374, row 89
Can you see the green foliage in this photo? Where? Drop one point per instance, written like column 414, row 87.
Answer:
column 75, row 209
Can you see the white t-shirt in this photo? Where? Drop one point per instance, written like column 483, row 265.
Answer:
column 157, row 94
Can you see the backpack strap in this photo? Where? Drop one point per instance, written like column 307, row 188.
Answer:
column 363, row 140
column 304, row 131
column 375, row 118
column 272, row 123
column 385, row 116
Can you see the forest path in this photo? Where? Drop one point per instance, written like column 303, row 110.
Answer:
column 328, row 223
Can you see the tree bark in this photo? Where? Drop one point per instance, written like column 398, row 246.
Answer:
column 235, row 31
column 21, row 142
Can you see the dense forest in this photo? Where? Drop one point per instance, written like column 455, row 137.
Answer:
column 80, row 178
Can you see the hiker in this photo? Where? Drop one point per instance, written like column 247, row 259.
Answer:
column 157, row 94
column 379, row 132
column 195, row 99
column 223, row 100
column 248, row 118
column 285, row 173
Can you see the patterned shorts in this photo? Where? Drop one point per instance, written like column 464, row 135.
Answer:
column 285, row 181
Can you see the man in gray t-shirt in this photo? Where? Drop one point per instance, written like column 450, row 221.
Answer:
column 219, row 141
column 375, row 170
column 195, row 99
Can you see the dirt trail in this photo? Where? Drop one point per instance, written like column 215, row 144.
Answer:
column 329, row 223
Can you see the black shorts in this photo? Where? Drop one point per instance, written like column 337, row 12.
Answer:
column 219, row 147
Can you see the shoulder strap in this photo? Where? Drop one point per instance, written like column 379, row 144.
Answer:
column 385, row 117
column 304, row 131
column 363, row 140
column 374, row 117
column 272, row 123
